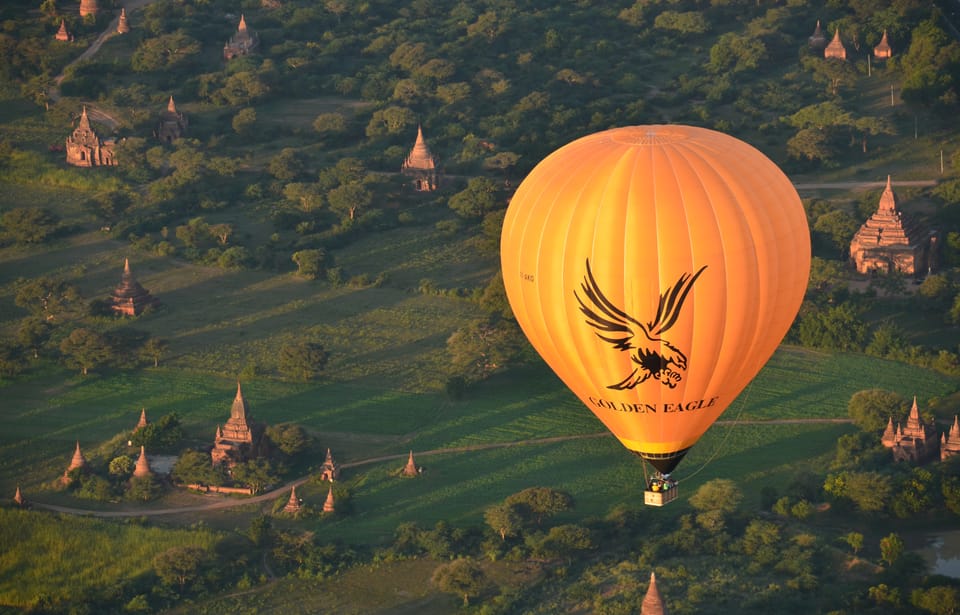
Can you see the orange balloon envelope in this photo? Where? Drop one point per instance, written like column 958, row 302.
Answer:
column 656, row 269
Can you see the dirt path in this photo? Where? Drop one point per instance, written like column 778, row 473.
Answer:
column 226, row 503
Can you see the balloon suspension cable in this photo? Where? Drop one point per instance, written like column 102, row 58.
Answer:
column 726, row 437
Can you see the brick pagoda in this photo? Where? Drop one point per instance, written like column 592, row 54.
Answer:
column 914, row 442
column 235, row 440
column 86, row 149
column 129, row 298
column 172, row 125
column 950, row 442
column 421, row 165
column 892, row 241
column 244, row 42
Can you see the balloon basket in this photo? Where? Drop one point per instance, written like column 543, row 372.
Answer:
column 660, row 498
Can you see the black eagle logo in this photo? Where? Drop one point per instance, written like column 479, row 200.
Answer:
column 653, row 356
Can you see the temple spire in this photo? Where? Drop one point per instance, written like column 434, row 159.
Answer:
column 18, row 498
column 243, row 24
column 293, row 504
column 143, row 422
column 653, row 602
column 411, row 468
column 239, row 408
column 123, row 26
column 171, row 106
column 328, row 505
column 888, row 200
column 84, row 121
column 143, row 465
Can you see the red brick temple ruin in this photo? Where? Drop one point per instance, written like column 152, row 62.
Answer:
column 235, row 440
column 329, row 471
column 143, row 466
column 143, row 422
column 817, row 40
column 892, row 241
column 78, row 462
column 63, row 34
column 652, row 601
column 421, row 166
column 914, row 442
column 293, row 505
column 328, row 504
column 18, row 498
column 883, row 51
column 86, row 149
column 173, row 124
column 950, row 442
column 89, row 7
column 129, row 298
column 123, row 26
column 244, row 42
column 835, row 49
column 411, row 468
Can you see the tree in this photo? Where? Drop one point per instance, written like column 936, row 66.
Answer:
column 255, row 473
column 330, row 123
column 143, row 488
column 302, row 360
column 462, row 577
column 504, row 519
column 307, row 196
column 483, row 347
column 870, row 491
column 196, row 468
column 29, row 224
column 289, row 438
column 872, row 409
column 221, row 232
column 855, row 540
column 165, row 433
column 32, row 333
column 180, row 565
column 390, row 121
column 891, row 548
column 122, row 466
column 478, row 198
column 349, row 199
column 538, row 503
column 939, row 600
column 153, row 349
column 286, row 165
column 310, row 263
column 165, row 52
column 838, row 227
column 245, row 121
column 86, row 349
column 561, row 541
column 720, row 494
column 931, row 65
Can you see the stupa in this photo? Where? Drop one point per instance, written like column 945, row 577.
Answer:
column 63, row 34
column 78, row 462
column 411, row 468
column 86, row 149
column 123, row 26
column 891, row 241
column 293, row 505
column 652, row 601
column 836, row 49
column 329, row 471
column 89, row 7
column 234, row 442
column 143, row 465
column 244, row 42
column 172, row 125
column 421, row 165
column 817, row 40
column 915, row 442
column 950, row 442
column 129, row 297
column 883, row 50
column 328, row 504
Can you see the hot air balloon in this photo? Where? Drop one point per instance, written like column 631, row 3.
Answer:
column 656, row 269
